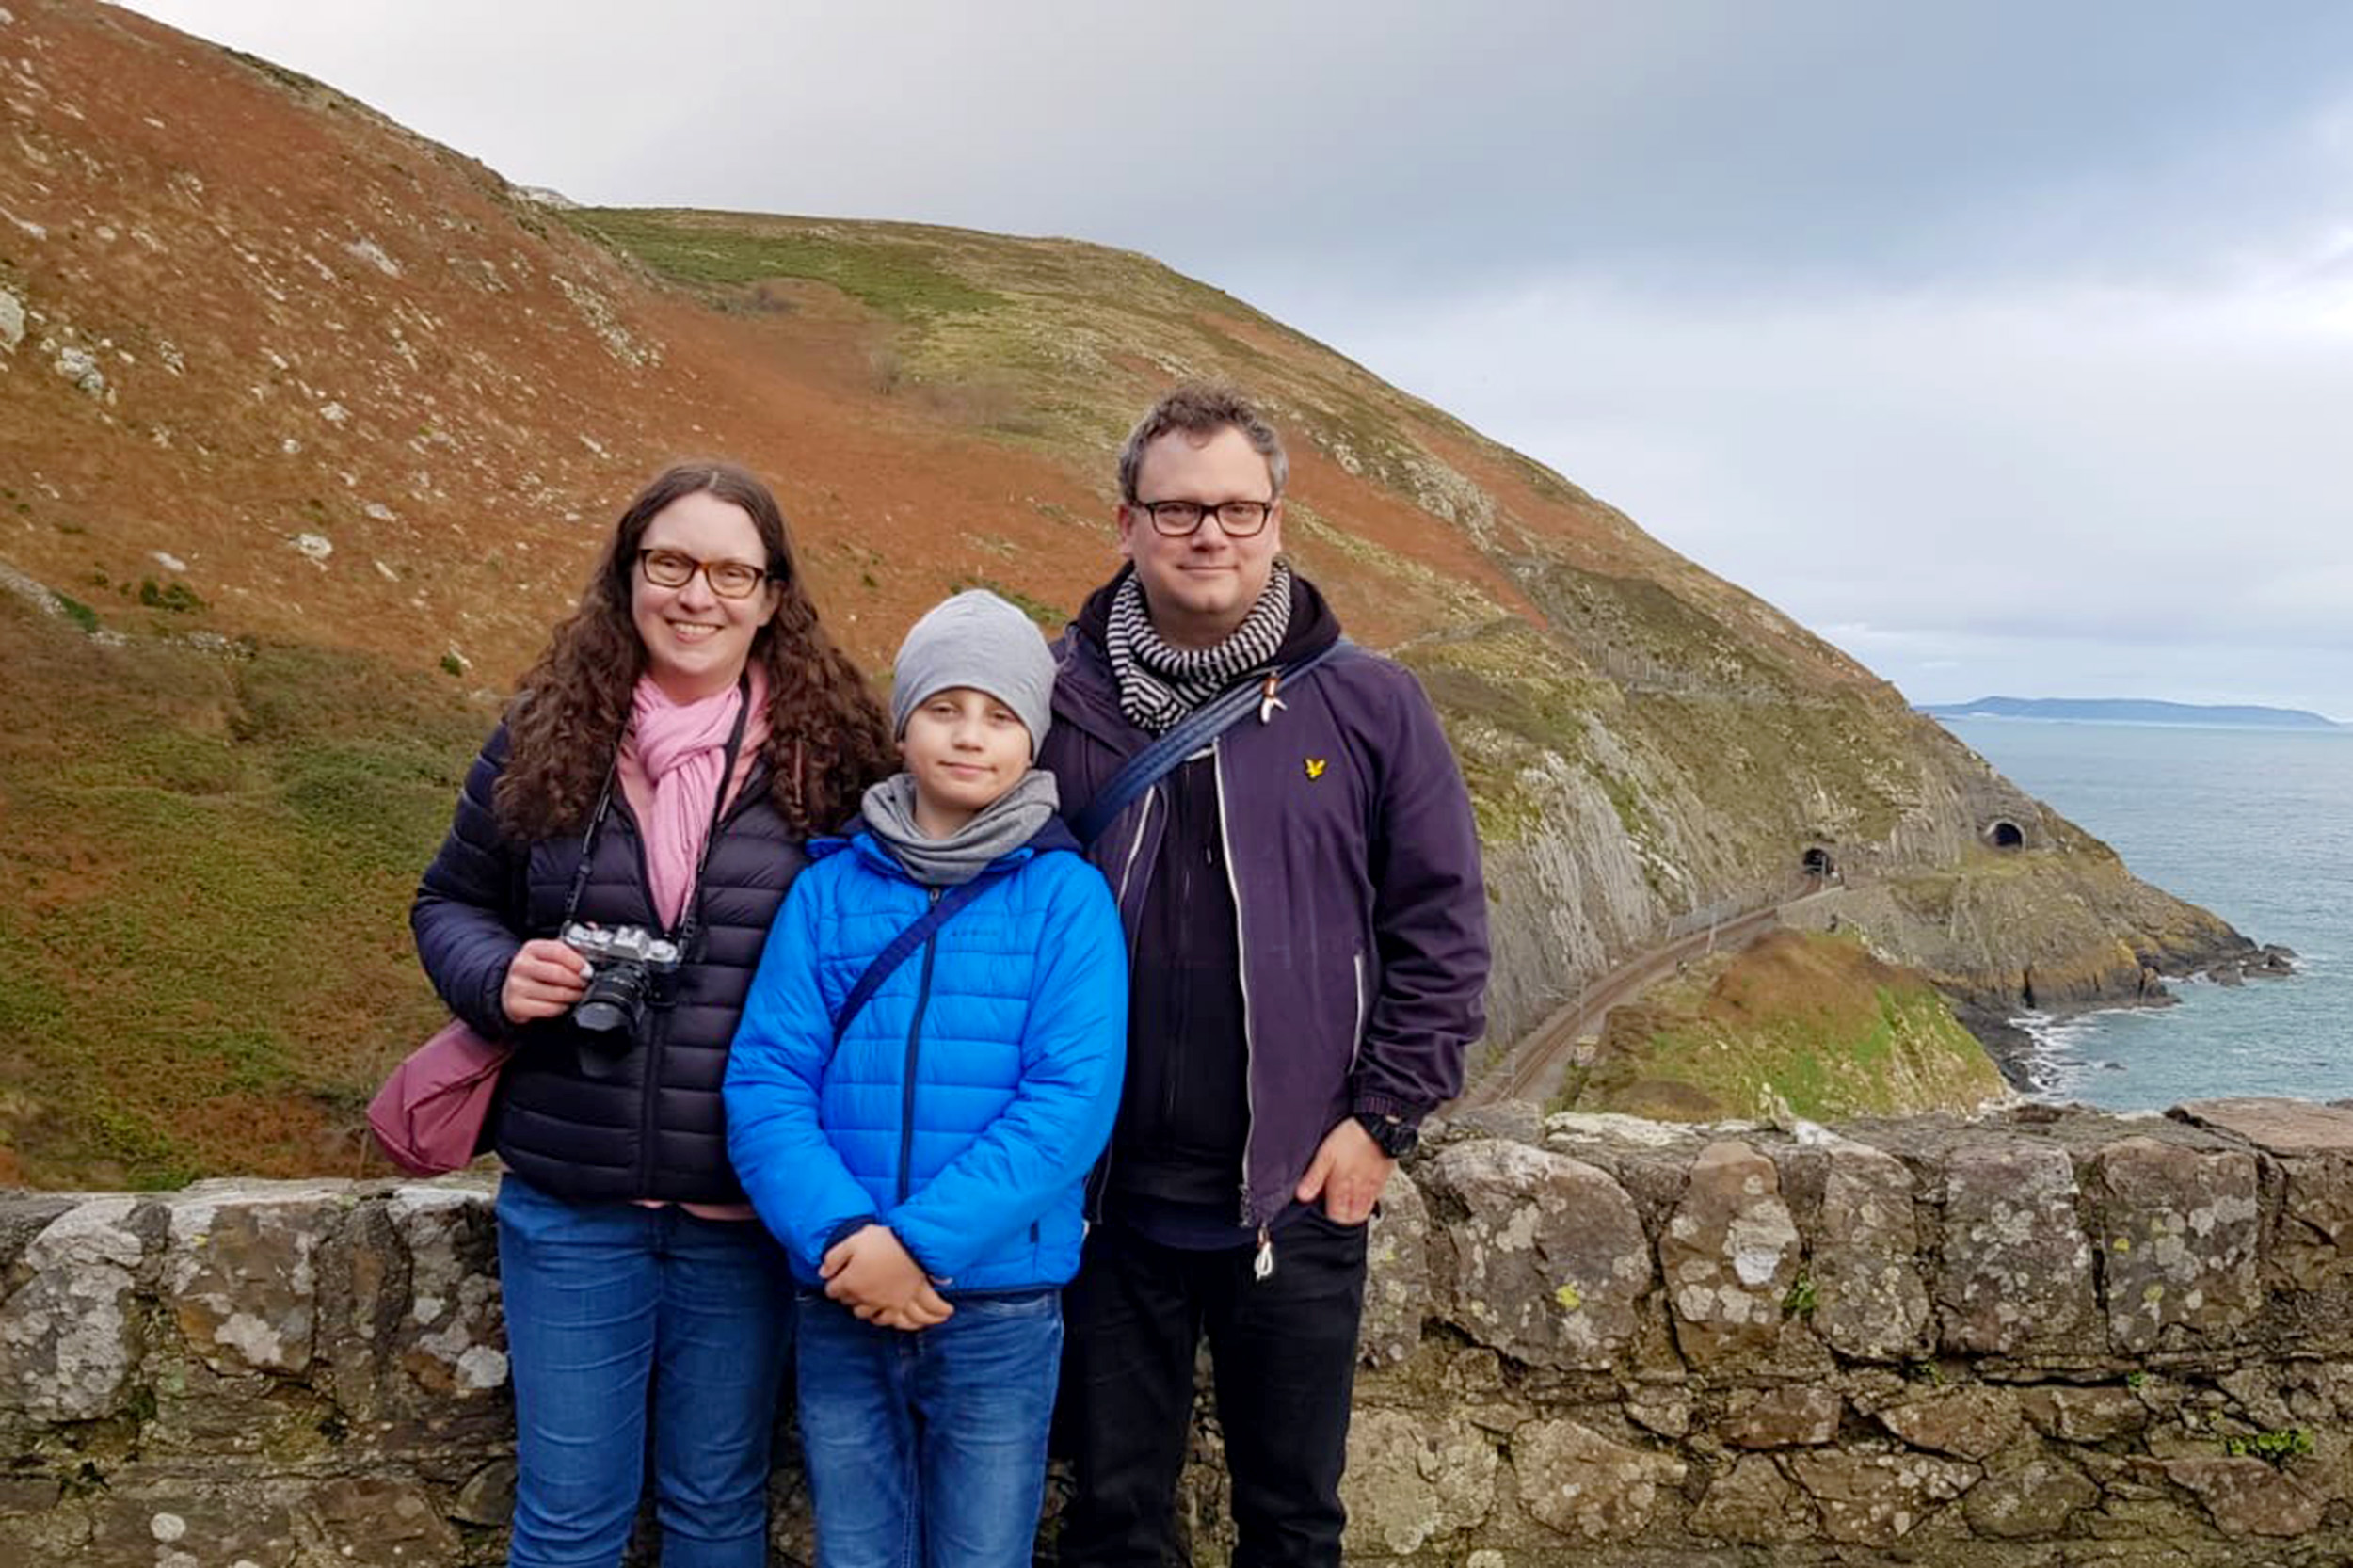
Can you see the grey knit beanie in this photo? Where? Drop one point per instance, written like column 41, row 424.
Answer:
column 978, row 640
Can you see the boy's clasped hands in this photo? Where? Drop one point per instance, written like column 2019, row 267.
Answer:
column 874, row 1276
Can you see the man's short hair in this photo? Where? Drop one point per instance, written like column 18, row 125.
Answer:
column 1202, row 408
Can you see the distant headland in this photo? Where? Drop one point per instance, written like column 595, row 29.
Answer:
column 2131, row 711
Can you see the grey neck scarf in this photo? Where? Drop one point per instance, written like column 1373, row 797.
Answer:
column 1158, row 684
column 1002, row 826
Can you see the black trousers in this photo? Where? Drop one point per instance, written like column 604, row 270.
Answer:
column 1283, row 1351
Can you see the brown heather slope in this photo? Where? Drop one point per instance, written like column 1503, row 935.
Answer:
column 309, row 428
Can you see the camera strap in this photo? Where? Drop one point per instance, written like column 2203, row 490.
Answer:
column 691, row 922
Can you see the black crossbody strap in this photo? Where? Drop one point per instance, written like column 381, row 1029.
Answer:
column 903, row 945
column 1193, row 731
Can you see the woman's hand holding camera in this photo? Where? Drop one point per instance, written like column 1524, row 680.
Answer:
column 543, row 981
column 873, row 1275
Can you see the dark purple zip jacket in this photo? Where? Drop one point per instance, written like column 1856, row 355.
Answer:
column 1355, row 868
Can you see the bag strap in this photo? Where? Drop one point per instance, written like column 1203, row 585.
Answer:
column 1191, row 733
column 902, row 946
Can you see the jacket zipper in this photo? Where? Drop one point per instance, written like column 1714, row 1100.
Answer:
column 1264, row 1266
column 1356, row 1048
column 915, row 1056
column 1098, row 1181
column 1178, row 1025
column 650, row 1091
column 1135, row 845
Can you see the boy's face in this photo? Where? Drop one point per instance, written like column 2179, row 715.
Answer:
column 964, row 748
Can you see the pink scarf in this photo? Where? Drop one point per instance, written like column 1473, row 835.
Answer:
column 679, row 749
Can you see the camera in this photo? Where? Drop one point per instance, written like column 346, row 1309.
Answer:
column 628, row 965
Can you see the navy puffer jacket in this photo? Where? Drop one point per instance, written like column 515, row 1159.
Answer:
column 655, row 1127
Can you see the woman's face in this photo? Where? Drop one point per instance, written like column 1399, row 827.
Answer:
column 697, row 639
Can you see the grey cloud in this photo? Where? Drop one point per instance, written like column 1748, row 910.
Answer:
column 2016, row 329
column 1381, row 138
column 2056, row 468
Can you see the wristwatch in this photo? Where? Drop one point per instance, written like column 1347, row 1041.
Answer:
column 1390, row 1133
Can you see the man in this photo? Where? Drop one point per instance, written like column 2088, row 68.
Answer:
column 1308, row 937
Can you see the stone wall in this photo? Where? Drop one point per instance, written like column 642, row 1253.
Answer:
column 2045, row 1337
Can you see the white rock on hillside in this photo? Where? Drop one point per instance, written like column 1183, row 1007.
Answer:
column 368, row 251
column 80, row 366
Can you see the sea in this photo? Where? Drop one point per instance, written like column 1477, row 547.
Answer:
column 2254, row 824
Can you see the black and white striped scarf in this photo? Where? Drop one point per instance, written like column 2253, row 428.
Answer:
column 1160, row 684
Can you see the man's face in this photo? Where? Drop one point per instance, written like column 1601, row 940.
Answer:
column 1201, row 586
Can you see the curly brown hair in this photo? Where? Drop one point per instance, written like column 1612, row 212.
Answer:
column 827, row 736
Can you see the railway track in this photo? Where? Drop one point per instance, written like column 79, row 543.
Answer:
column 1535, row 1066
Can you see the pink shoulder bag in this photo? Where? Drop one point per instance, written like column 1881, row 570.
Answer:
column 429, row 1113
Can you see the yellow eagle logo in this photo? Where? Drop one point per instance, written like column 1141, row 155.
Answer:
column 1315, row 767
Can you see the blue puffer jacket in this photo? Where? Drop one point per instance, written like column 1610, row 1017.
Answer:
column 970, row 1095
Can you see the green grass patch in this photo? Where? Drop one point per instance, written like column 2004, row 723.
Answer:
column 1050, row 616
column 899, row 278
column 1811, row 1024
column 78, row 613
column 176, row 597
column 204, row 960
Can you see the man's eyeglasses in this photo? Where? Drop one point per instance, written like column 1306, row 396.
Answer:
column 1175, row 519
column 675, row 568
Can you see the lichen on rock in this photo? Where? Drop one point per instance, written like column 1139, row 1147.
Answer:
column 70, row 1334
column 2017, row 1275
column 1583, row 1486
column 1549, row 1255
column 1730, row 1256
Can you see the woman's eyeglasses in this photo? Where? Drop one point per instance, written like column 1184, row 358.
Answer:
column 675, row 568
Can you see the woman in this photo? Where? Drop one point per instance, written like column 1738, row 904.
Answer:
column 686, row 730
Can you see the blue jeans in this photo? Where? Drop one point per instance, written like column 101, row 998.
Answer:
column 605, row 1301
column 928, row 1449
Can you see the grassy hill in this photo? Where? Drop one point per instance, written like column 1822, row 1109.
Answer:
column 205, row 841
column 309, row 428
column 1797, row 1024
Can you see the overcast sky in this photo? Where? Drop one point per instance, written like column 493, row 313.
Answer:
column 2010, row 346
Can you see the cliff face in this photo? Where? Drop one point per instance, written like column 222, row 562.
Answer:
column 2046, row 1338
column 309, row 428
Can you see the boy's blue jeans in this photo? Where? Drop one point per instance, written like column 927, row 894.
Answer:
column 928, row 1449
column 604, row 1300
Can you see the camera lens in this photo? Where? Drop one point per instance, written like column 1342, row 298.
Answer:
column 608, row 1013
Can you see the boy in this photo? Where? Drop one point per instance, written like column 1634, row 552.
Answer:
column 924, row 1174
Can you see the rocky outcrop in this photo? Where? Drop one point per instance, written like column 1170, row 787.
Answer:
column 2040, row 1337
column 2052, row 929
